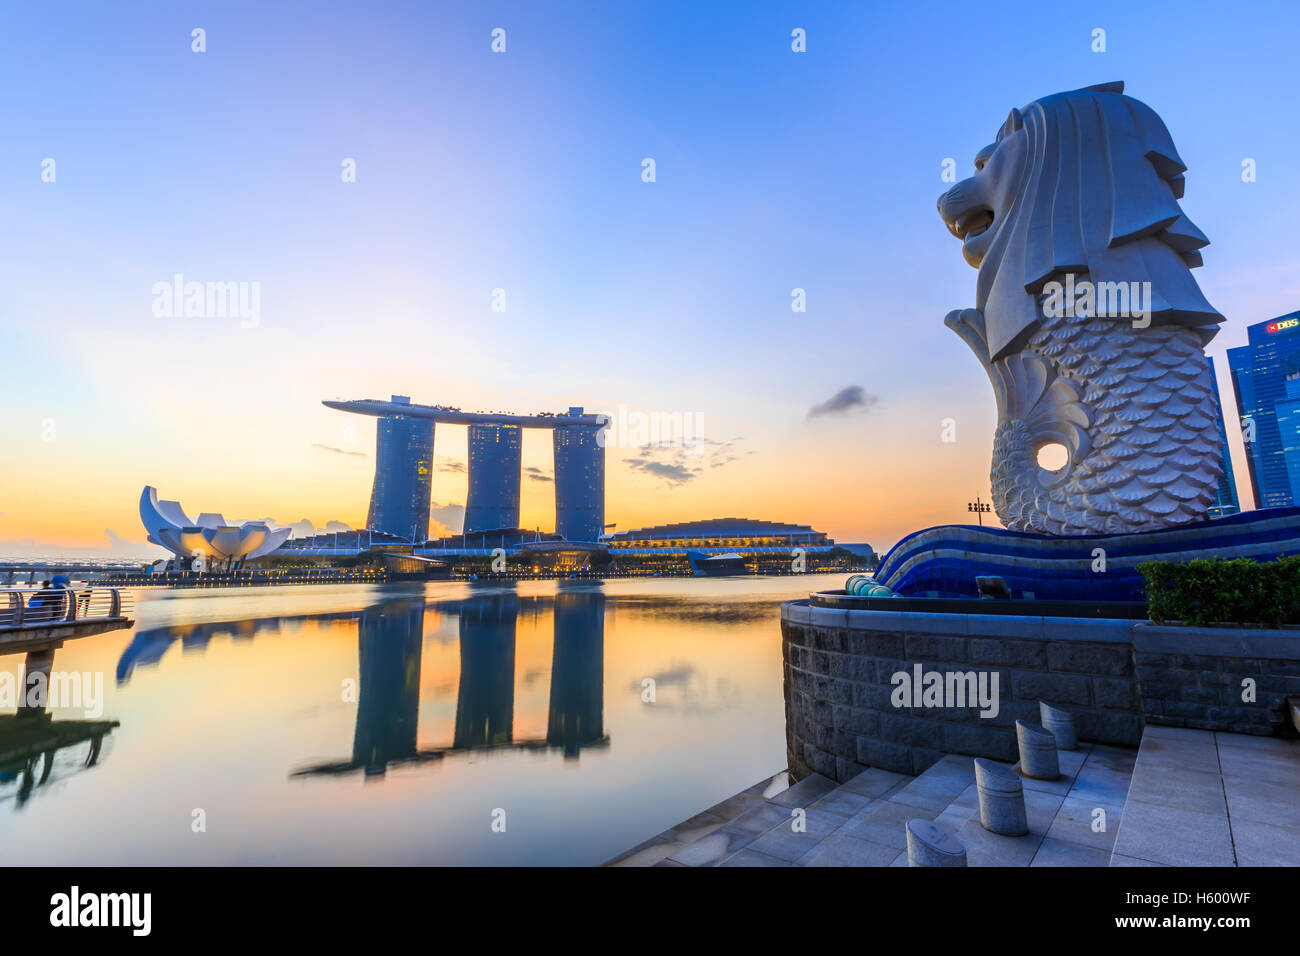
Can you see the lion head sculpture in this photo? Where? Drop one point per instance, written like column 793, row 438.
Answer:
column 1084, row 187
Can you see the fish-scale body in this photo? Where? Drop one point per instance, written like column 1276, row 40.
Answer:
column 1136, row 409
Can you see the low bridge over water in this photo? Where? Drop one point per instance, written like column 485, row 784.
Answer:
column 30, row 572
column 35, row 619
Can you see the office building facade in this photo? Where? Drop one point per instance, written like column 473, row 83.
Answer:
column 494, row 468
column 1266, row 381
column 399, row 498
column 1225, row 499
column 579, row 482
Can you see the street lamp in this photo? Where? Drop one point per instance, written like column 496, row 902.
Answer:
column 979, row 507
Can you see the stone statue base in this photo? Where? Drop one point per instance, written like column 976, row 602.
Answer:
column 944, row 561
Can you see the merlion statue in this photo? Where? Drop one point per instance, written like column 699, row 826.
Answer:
column 1087, row 318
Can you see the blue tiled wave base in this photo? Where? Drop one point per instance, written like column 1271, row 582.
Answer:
column 944, row 561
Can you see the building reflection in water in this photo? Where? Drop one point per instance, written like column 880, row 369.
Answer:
column 485, row 701
column 390, row 638
column 575, row 717
column 34, row 745
column 149, row 645
column 388, row 702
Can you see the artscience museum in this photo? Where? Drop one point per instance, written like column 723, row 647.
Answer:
column 209, row 536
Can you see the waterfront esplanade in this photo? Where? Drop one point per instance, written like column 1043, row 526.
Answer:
column 494, row 466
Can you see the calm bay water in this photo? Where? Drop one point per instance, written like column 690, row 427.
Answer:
column 388, row 724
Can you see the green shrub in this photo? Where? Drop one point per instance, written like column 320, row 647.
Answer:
column 1215, row 591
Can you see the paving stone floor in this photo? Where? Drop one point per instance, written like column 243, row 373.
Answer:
column 1209, row 799
column 1185, row 798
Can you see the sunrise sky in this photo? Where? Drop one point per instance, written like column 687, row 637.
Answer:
column 522, row 171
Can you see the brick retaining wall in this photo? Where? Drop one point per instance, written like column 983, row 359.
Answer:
column 1193, row 677
column 839, row 664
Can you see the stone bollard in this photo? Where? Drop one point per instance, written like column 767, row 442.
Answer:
column 929, row 844
column 1037, row 752
column 1060, row 724
column 1002, row 798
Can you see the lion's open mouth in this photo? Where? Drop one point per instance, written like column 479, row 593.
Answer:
column 974, row 223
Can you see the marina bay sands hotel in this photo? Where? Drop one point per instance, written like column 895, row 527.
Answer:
column 399, row 499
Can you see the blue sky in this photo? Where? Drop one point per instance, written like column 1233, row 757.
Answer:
column 522, row 171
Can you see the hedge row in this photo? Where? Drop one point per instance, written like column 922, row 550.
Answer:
column 1216, row 591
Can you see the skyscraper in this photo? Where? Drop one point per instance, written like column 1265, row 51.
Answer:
column 1266, row 380
column 579, row 481
column 1225, row 500
column 494, row 462
column 405, row 454
column 399, row 498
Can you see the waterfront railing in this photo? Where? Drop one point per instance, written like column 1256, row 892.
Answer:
column 28, row 607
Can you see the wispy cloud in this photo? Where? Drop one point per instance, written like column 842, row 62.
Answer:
column 448, row 518
column 845, row 400
column 676, row 464
column 671, row 472
column 305, row 528
column 536, row 474
column 114, row 547
column 338, row 451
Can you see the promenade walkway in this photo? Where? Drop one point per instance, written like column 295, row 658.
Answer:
column 1112, row 806
column 1212, row 799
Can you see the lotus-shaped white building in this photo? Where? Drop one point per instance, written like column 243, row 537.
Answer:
column 209, row 536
